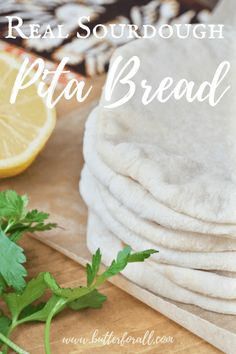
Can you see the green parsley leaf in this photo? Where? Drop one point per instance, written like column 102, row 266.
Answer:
column 93, row 269
column 12, row 205
column 70, row 294
column 116, row 266
column 33, row 291
column 39, row 227
column 15, row 236
column 123, row 258
column 93, row 300
column 35, row 216
column 17, row 230
column 15, row 219
column 42, row 315
column 93, row 279
column 31, row 309
column 11, row 259
column 141, row 256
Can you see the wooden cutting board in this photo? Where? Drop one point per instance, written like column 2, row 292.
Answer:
column 52, row 184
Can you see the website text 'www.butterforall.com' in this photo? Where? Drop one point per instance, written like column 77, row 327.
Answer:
column 149, row 338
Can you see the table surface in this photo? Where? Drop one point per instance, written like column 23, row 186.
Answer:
column 121, row 313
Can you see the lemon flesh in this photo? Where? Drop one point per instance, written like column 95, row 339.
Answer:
column 25, row 126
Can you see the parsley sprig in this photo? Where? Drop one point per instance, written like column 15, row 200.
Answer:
column 26, row 301
column 16, row 220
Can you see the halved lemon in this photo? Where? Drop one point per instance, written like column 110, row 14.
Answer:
column 25, row 126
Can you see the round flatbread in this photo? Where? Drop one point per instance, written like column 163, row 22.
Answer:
column 196, row 260
column 139, row 200
column 178, row 240
column 146, row 276
column 183, row 153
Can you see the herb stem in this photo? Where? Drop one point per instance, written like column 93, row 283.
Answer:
column 9, row 225
column 56, row 308
column 12, row 345
column 47, row 346
column 7, row 335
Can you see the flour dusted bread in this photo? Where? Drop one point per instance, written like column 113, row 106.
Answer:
column 183, row 153
column 142, row 202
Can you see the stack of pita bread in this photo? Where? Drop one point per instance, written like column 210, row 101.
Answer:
column 163, row 175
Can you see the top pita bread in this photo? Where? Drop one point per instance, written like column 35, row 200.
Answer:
column 135, row 198
column 183, row 153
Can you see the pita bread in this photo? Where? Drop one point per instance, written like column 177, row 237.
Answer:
column 157, row 234
column 140, row 201
column 90, row 191
column 183, row 153
column 148, row 277
column 165, row 177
